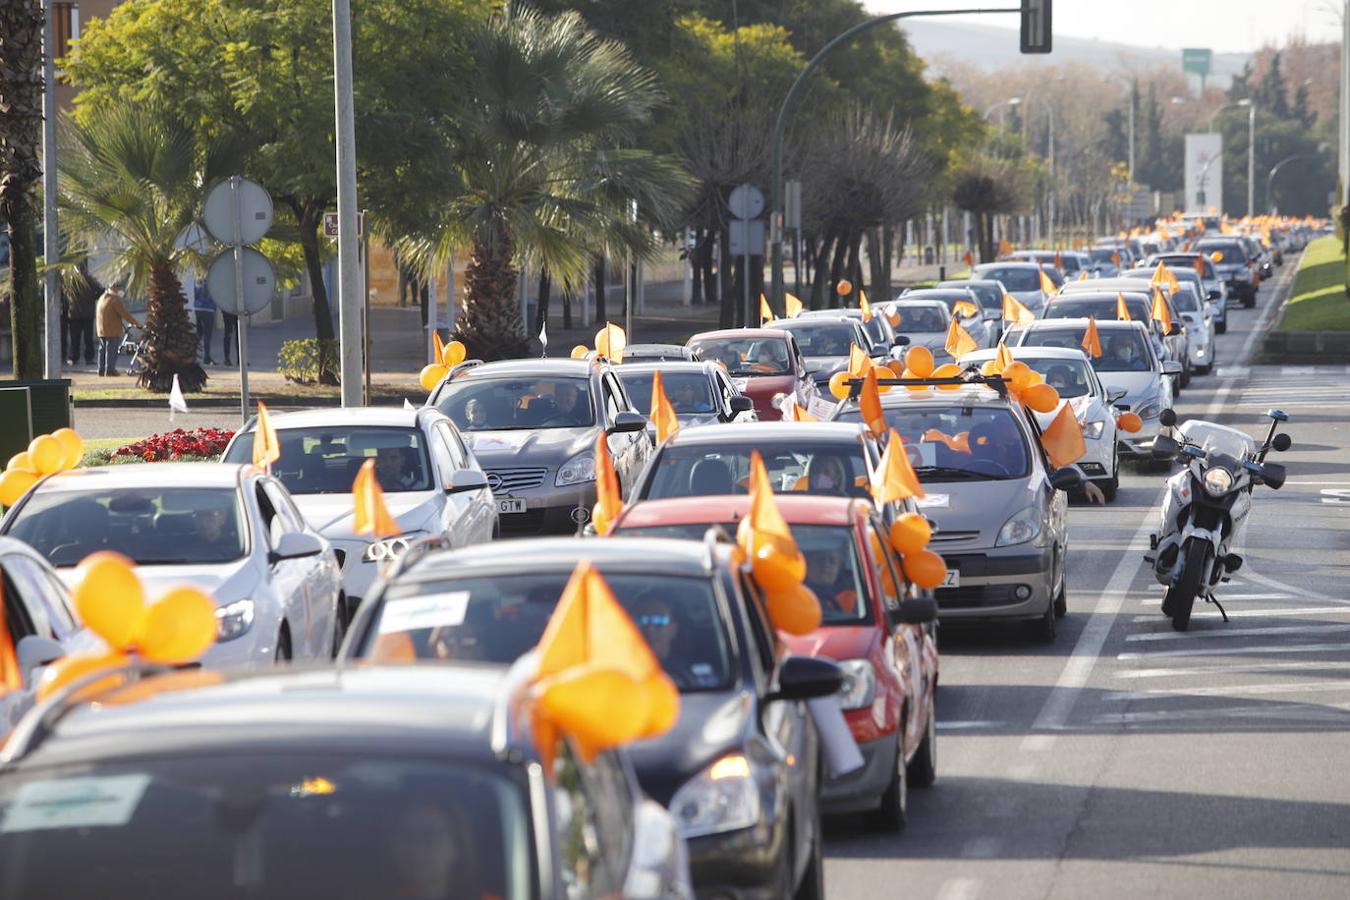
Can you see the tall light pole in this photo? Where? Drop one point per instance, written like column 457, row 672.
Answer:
column 1011, row 101
column 1251, row 155
column 1343, row 151
column 51, row 239
column 350, row 301
column 1275, row 169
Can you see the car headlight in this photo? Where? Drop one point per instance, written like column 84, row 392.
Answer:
column 723, row 797
column 234, row 619
column 1020, row 528
column 1150, row 409
column 1093, row 430
column 1218, row 481
column 389, row 548
column 860, row 684
column 578, row 469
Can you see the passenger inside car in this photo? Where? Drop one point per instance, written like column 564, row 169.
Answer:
column 1124, row 353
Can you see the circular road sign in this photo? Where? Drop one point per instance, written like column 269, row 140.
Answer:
column 255, row 211
column 746, row 202
column 260, row 281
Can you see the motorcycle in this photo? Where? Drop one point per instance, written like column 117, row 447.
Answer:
column 1207, row 504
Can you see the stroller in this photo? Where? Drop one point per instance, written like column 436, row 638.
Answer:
column 131, row 347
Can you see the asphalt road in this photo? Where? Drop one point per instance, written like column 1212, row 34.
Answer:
column 1127, row 759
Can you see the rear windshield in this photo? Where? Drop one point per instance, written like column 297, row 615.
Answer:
column 499, row 618
column 746, row 357
column 325, row 460
column 1122, row 351
column 835, row 469
column 1016, row 280
column 508, row 404
column 959, row 443
column 990, row 296
column 688, row 392
column 1189, row 263
column 1233, row 252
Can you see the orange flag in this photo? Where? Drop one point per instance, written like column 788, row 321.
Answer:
column 1059, row 261
column 608, row 499
column 370, row 515
column 1163, row 277
column 869, row 404
column 1200, row 265
column 1160, row 310
column 959, row 341
column 266, row 450
column 765, row 311
column 858, row 361
column 1047, row 285
column 1122, row 311
column 894, row 478
column 959, row 443
column 440, row 346
column 1115, row 260
column 1016, row 312
column 1083, row 275
column 1063, row 440
column 11, row 678
column 1004, row 248
column 793, row 306
column 1092, row 341
column 968, row 259
column 864, row 305
column 610, row 342
column 799, row 414
column 663, row 413
column 1003, row 358
column 965, row 308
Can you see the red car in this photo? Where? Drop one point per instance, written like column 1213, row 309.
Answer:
column 878, row 630
column 763, row 363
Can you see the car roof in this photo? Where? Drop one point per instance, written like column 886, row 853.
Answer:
column 160, row 474
column 739, row 333
column 410, row 707
column 961, row 282
column 911, row 300
column 1069, row 324
column 577, row 368
column 965, row 395
column 934, row 293
column 665, row 365
column 665, row 556
column 822, row 315
column 1104, row 292
column 1023, row 353
column 751, row 432
column 797, row 509
column 388, row 416
column 1009, row 263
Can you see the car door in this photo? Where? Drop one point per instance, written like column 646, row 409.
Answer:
column 452, row 510
column 913, row 647
column 629, row 449
column 292, row 580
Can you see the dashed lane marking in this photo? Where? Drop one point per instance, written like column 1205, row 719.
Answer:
column 1234, row 651
column 1221, row 632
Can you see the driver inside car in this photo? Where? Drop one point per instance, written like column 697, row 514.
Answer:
column 998, row 442
column 1124, row 351
column 568, row 407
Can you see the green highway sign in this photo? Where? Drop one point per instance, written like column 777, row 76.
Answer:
column 1197, row 60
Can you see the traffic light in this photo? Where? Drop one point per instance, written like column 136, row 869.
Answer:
column 1036, row 26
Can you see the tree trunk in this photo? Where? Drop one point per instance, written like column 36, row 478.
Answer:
column 854, row 269
column 490, row 324
column 601, row 273
column 876, row 260
column 696, row 268
column 545, row 288
column 706, row 270
column 821, row 279
column 831, row 298
column 568, row 291
column 170, row 341
column 727, row 315
column 309, row 216
column 887, row 260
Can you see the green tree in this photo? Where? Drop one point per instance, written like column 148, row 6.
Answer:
column 20, row 171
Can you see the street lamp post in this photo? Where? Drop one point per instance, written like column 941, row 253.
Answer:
column 780, row 126
column 1251, row 146
column 51, row 237
column 350, row 301
column 1274, row 170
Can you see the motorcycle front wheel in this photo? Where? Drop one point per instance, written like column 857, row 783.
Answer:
column 1194, row 572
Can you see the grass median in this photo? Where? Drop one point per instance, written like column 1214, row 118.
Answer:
column 1318, row 301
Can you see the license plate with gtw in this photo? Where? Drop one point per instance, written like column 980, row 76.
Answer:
column 510, row 505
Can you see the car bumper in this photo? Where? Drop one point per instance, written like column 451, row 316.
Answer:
column 554, row 510
column 1140, row 444
column 1097, row 462
column 1002, row 583
column 738, row 865
column 861, row 789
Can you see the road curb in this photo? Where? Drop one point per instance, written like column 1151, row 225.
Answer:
column 1300, row 347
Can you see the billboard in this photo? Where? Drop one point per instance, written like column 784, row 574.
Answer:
column 1204, row 172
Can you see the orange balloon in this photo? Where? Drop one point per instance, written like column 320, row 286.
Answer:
column 431, row 375
column 775, row 569
column 897, row 367
column 109, row 598
column 843, row 287
column 910, row 533
column 919, row 360
column 14, row 483
column 990, row 368
column 178, row 627
column 1129, row 422
column 925, row 568
column 21, row 462
column 453, row 353
column 580, row 351
column 1041, row 397
column 837, row 386
column 796, row 611
column 46, row 454
column 74, row 445
column 948, row 370
column 598, row 708
column 70, row 669
column 1019, row 375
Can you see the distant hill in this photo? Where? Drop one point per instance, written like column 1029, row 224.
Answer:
column 991, row 47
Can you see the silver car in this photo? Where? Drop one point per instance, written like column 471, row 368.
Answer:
column 990, row 294
column 1022, row 280
column 700, row 392
column 1211, row 298
column 1081, row 301
column 1215, row 288
column 433, row 485
column 880, row 334
column 976, row 323
column 925, row 323
column 231, row 530
column 825, row 337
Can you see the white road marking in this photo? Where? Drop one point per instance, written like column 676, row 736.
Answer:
column 959, row 889
column 1173, row 717
column 967, row 725
column 1235, row 651
column 1259, row 613
column 1037, row 743
column 1231, row 690
column 1222, row 632
column 1234, row 668
column 1224, row 597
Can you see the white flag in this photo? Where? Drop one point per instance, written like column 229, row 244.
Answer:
column 543, row 336
column 407, row 404
column 176, row 402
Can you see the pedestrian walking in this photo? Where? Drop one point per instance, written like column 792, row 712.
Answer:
column 231, row 336
column 83, row 304
column 205, row 310
column 111, row 313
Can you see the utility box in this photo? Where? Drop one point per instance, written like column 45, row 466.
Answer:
column 16, row 414
column 48, row 402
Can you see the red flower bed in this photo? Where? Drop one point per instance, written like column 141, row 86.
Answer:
column 178, row 444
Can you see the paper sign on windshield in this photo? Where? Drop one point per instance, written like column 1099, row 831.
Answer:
column 431, row 611
column 75, row 803
column 934, row 501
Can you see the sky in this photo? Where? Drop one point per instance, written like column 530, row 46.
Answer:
column 1224, row 26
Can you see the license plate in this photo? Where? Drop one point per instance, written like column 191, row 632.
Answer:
column 953, row 579
column 510, row 505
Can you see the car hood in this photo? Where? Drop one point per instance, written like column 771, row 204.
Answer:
column 933, row 340
column 331, row 514
column 974, row 507
column 225, row 582
column 1134, row 384
column 763, row 389
column 711, row 724
column 816, row 364
column 533, row 447
column 836, row 641
column 1084, row 408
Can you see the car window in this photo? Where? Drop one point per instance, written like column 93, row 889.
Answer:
column 512, row 404
column 747, row 357
column 18, row 616
column 290, row 517
column 1014, row 278
column 587, row 870
column 762, row 633
column 1233, row 252
column 459, row 456
column 1122, row 350
column 688, row 392
column 52, row 614
column 440, row 455
column 725, row 389
column 919, row 318
column 835, row 468
column 894, row 585
column 612, row 398
column 325, row 459
column 834, row 572
column 818, row 337
column 273, row 523
column 958, row 443
column 1069, row 377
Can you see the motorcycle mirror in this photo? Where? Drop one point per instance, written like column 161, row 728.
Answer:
column 1278, row 415
column 1168, row 417
column 1273, row 474
column 1281, row 442
column 1165, row 447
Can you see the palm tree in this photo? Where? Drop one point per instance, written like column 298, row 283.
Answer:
column 541, row 173
column 132, row 179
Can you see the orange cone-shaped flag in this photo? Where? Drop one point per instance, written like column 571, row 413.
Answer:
column 1047, row 285
column 765, row 311
column 869, row 404
column 370, row 516
column 1122, row 311
column 663, row 413
column 1163, row 277
column 1016, row 312
column 793, row 306
column 608, row 499
column 864, row 305
column 959, row 341
column 1059, row 261
column 1063, row 440
column 894, row 478
column 965, row 308
column 266, row 450
column 1003, row 358
column 1004, row 248
column 1160, row 310
column 1092, row 341
column 858, row 361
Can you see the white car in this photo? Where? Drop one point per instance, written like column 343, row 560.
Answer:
column 42, row 625
column 975, row 321
column 230, row 530
column 432, row 483
column 1068, row 371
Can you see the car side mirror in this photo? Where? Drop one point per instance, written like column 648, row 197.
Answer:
column 1168, row 417
column 901, row 340
column 1066, row 479
column 1171, row 367
column 34, row 652
column 1165, row 447
column 1113, row 396
column 1175, row 329
column 918, row 610
column 1281, row 442
column 806, row 678
column 627, row 422
column 296, row 545
column 742, row 404
column 464, row 480
column 1214, row 295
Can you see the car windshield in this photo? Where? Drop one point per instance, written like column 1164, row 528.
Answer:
column 499, row 618
column 1069, row 377
column 817, row 338
column 267, row 827
column 1189, row 263
column 990, row 296
column 325, row 460
column 149, row 525
column 835, row 469
column 1122, row 350
column 958, row 443
column 919, row 318
column 1184, row 300
column 1068, row 306
column 1015, row 278
column 876, row 330
column 1218, row 439
column 1234, row 254
column 689, row 392
column 513, row 404
column 746, row 357
column 832, row 567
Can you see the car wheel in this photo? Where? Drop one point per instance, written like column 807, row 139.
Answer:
column 922, row 771
column 1061, row 603
column 813, row 879
column 283, row 653
column 893, row 812
column 1186, row 374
